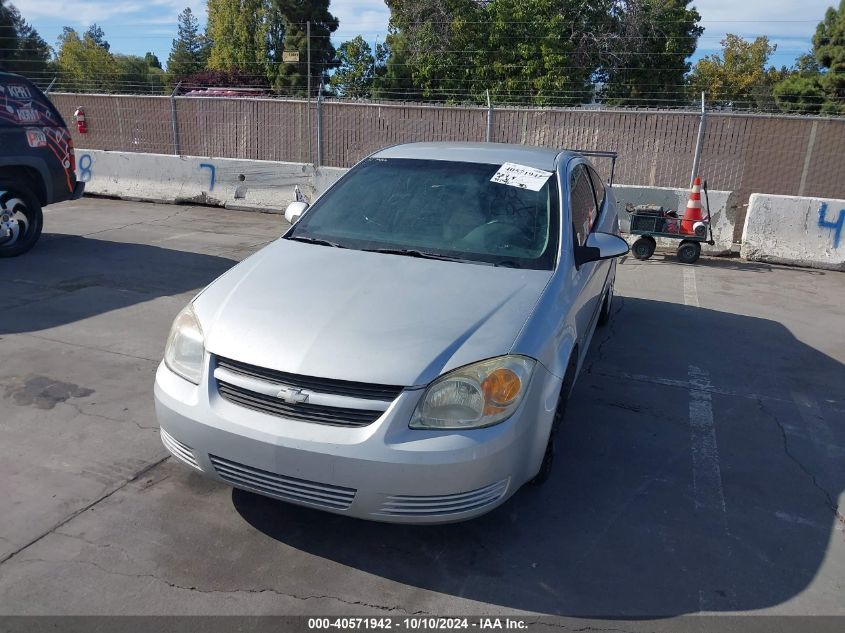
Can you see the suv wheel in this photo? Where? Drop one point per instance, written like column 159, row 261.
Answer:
column 21, row 220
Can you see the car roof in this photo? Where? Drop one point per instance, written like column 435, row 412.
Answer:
column 489, row 153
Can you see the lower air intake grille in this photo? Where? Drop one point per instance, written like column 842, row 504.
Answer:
column 179, row 450
column 406, row 505
column 287, row 488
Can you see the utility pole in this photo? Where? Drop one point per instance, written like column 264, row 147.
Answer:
column 308, row 40
column 489, row 117
column 696, row 161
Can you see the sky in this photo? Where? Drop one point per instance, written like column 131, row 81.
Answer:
column 137, row 26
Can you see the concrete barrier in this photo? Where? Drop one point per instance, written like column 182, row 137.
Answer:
column 269, row 186
column 232, row 183
column 723, row 209
column 795, row 230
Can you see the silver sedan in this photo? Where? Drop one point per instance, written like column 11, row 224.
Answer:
column 405, row 351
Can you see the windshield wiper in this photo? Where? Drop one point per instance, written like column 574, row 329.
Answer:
column 412, row 252
column 314, row 240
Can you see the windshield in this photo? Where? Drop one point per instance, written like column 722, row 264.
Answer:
column 439, row 209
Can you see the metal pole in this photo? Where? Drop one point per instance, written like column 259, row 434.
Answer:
column 696, row 161
column 320, row 126
column 177, row 150
column 489, row 117
column 50, row 87
column 308, row 45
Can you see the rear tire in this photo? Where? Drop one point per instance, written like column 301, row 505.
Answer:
column 644, row 247
column 689, row 252
column 21, row 219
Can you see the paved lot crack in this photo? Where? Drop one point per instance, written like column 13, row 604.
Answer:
column 194, row 588
column 829, row 498
column 76, row 513
column 88, row 347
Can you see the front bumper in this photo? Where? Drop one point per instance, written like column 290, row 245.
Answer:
column 383, row 472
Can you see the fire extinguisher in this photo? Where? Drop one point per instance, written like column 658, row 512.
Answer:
column 81, row 126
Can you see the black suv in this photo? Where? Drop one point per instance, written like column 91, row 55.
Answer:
column 37, row 165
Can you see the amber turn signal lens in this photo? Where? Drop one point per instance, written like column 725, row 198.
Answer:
column 501, row 387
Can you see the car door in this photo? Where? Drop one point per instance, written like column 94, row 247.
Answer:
column 583, row 213
column 607, row 222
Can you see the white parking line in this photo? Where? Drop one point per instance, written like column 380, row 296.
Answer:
column 706, row 472
column 708, row 494
column 690, row 287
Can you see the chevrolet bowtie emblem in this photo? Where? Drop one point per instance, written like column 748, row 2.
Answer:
column 292, row 395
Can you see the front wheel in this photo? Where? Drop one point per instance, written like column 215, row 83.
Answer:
column 560, row 413
column 689, row 252
column 21, row 220
column 644, row 247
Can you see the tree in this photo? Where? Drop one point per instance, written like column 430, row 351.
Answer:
column 293, row 78
column 152, row 60
column 829, row 50
column 22, row 50
column 238, row 33
column 544, row 52
column 137, row 76
column 354, row 77
column 189, row 52
column 98, row 36
column 646, row 51
column 739, row 76
column 84, row 65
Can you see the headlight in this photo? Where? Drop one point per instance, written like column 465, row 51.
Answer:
column 185, row 349
column 481, row 394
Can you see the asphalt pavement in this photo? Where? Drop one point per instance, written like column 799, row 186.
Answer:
column 700, row 469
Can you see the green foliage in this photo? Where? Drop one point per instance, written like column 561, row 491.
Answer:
column 98, row 36
column 646, row 51
column 189, row 51
column 238, row 33
column 137, row 76
column 292, row 79
column 799, row 94
column 152, row 60
column 354, row 77
column 85, row 65
column 829, row 49
column 22, row 50
column 739, row 76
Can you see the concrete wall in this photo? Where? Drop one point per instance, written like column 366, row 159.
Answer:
column 723, row 209
column 795, row 230
column 231, row 183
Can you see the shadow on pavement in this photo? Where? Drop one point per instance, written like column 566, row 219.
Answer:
column 73, row 278
column 623, row 528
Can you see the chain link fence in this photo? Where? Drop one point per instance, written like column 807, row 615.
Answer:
column 745, row 153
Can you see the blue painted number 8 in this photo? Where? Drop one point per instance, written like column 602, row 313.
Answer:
column 85, row 163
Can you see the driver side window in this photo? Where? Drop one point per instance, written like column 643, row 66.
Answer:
column 582, row 203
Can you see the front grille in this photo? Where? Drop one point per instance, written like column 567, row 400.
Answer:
column 364, row 390
column 179, row 450
column 407, row 505
column 303, row 412
column 287, row 488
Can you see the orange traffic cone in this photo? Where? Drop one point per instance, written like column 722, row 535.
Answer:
column 693, row 212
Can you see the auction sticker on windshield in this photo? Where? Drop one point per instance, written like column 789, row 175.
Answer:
column 521, row 176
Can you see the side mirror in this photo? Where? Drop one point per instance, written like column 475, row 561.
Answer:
column 600, row 246
column 295, row 211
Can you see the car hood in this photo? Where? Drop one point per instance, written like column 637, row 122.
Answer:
column 368, row 317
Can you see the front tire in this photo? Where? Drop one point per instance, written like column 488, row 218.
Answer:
column 689, row 252
column 644, row 247
column 560, row 413
column 21, row 220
